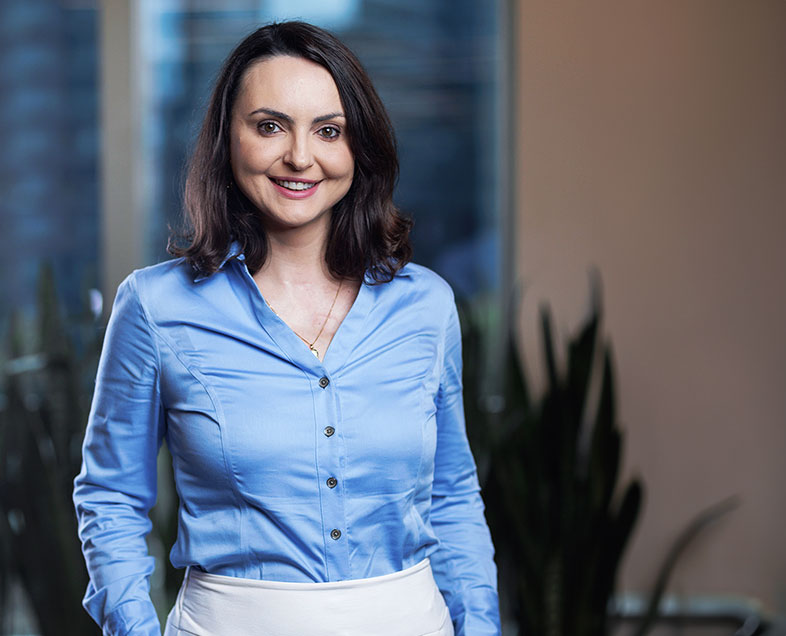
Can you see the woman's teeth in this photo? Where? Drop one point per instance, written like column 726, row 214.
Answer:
column 294, row 185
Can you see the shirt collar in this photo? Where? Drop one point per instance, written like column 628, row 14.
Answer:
column 233, row 251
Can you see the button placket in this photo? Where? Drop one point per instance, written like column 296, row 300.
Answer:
column 330, row 460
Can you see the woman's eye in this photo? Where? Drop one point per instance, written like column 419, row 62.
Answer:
column 268, row 127
column 329, row 132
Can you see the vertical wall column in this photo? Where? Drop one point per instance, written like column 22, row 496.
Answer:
column 122, row 213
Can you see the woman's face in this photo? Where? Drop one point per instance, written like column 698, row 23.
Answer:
column 289, row 147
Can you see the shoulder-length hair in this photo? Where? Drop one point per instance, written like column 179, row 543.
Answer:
column 367, row 233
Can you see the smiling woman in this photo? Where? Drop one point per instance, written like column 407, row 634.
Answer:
column 319, row 448
column 366, row 234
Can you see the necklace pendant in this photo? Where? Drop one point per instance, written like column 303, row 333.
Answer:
column 314, row 350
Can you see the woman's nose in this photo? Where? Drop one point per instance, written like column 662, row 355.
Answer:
column 298, row 154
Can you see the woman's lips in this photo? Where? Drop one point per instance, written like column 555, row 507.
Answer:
column 295, row 188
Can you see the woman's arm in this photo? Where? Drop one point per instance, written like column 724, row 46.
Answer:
column 464, row 563
column 116, row 487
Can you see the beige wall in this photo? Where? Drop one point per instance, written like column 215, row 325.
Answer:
column 651, row 142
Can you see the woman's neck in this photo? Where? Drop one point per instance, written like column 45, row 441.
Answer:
column 295, row 258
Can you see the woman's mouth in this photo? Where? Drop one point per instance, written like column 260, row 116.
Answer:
column 296, row 186
column 295, row 189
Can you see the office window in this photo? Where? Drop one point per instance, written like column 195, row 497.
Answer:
column 49, row 163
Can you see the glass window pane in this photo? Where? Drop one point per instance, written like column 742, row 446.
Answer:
column 48, row 167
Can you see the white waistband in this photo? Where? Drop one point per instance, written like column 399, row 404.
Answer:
column 405, row 603
column 232, row 581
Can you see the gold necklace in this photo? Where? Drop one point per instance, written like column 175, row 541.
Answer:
column 321, row 329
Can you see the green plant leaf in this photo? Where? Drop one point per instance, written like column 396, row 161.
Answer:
column 697, row 525
column 548, row 349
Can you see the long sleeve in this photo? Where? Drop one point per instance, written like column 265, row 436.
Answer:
column 116, row 487
column 463, row 565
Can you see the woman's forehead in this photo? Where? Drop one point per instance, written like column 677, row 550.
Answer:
column 286, row 83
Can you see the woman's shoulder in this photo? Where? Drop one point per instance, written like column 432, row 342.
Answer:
column 425, row 280
column 162, row 288
column 422, row 291
column 161, row 279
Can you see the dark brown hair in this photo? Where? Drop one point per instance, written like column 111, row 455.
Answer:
column 367, row 233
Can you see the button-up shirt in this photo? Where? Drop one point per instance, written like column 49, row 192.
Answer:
column 288, row 468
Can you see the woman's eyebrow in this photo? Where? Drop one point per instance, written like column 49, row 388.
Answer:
column 287, row 118
column 328, row 116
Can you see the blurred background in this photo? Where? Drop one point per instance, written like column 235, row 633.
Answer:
column 643, row 141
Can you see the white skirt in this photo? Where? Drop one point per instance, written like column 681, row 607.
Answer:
column 406, row 603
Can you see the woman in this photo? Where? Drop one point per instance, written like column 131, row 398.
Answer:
column 306, row 379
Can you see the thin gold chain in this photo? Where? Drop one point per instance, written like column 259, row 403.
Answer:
column 324, row 322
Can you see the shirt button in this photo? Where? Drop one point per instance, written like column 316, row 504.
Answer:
column 335, row 534
column 331, row 482
column 323, row 381
column 329, row 430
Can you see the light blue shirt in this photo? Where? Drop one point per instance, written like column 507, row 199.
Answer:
column 287, row 468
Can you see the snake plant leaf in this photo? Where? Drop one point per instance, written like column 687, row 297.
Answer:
column 552, row 372
column 480, row 438
column 5, row 528
column 516, row 391
column 513, row 390
column 617, row 537
column 581, row 356
column 604, row 458
column 695, row 527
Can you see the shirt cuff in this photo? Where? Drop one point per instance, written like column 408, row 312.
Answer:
column 133, row 618
column 476, row 613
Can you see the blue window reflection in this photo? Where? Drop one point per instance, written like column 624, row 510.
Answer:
column 49, row 163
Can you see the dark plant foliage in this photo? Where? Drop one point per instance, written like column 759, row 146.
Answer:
column 41, row 428
column 557, row 512
column 549, row 465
